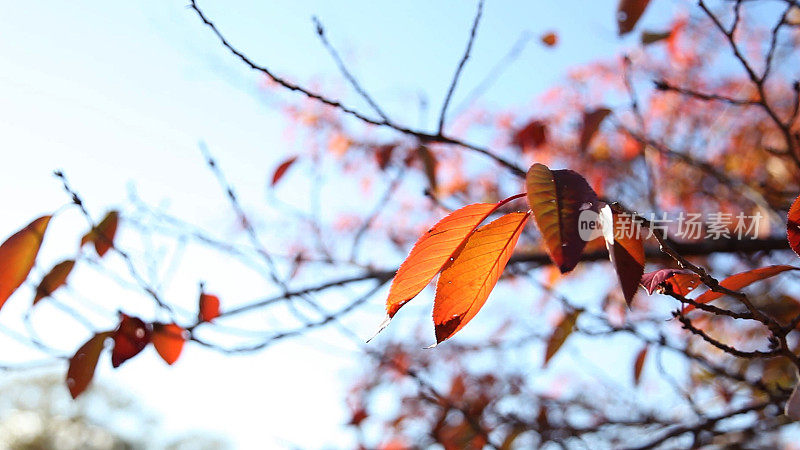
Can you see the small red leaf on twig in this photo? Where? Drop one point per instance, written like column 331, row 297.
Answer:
column 83, row 363
column 168, row 339
column 130, row 337
column 678, row 281
column 54, row 279
column 102, row 235
column 280, row 171
column 208, row 307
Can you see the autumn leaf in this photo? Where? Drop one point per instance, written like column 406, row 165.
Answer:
column 383, row 155
column 649, row 37
column 531, row 136
column 18, row 255
column 638, row 364
column 83, row 363
column 54, row 279
column 467, row 281
column 628, row 13
column 208, row 307
column 557, row 198
column 102, row 236
column 550, row 39
column 168, row 339
column 591, row 123
column 432, row 251
column 677, row 281
column 429, row 164
column 280, row 171
column 560, row 334
column 625, row 249
column 739, row 281
column 793, row 226
column 130, row 337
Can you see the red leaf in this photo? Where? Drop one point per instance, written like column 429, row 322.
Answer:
column 628, row 13
column 130, row 337
column 383, row 155
column 102, row 236
column 168, row 340
column 557, row 199
column 560, row 334
column 625, row 249
column 83, row 363
column 18, row 255
column 591, row 123
column 677, row 281
column 209, row 307
column 280, row 171
column 532, row 136
column 54, row 279
column 638, row 365
column 550, row 39
column 467, row 281
column 739, row 281
column 793, row 226
column 432, row 251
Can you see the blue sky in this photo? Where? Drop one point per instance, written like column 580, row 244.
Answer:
column 120, row 93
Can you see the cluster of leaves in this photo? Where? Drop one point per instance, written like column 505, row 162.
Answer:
column 18, row 255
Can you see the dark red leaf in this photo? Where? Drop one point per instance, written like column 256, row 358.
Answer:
column 280, row 171
column 628, row 13
column 625, row 248
column 383, row 155
column 591, row 123
column 130, row 337
column 83, row 363
column 793, row 226
column 678, row 281
column 531, row 136
column 557, row 199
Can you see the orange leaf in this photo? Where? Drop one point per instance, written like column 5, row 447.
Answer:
column 18, row 254
column 550, row 39
column 102, row 236
column 432, row 251
column 281, row 170
column 591, row 123
column 209, row 307
column 638, row 365
column 557, row 199
column 628, row 13
column 625, row 249
column 466, row 283
column 739, row 281
column 793, row 226
column 130, row 338
column 54, row 279
column 168, row 340
column 83, row 363
column 560, row 334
